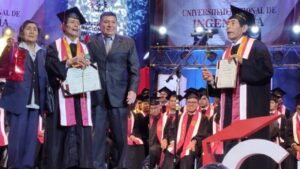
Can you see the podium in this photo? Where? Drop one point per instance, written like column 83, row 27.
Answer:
column 237, row 130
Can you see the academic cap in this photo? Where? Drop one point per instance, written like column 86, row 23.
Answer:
column 165, row 89
column 145, row 92
column 244, row 17
column 145, row 98
column 71, row 13
column 190, row 93
column 278, row 91
column 173, row 93
column 154, row 100
column 203, row 92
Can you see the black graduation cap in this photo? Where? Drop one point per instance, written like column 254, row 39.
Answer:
column 274, row 97
column 173, row 93
column 243, row 16
column 145, row 92
column 71, row 13
column 139, row 97
column 154, row 100
column 202, row 92
column 278, row 92
column 191, row 93
column 145, row 98
column 165, row 89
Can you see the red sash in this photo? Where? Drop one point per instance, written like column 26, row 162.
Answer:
column 66, row 103
column 239, row 95
column 3, row 135
column 130, row 125
column 184, row 136
column 296, row 131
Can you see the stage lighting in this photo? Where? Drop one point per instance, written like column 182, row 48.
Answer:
column 294, row 34
column 47, row 36
column 296, row 29
column 162, row 30
column 254, row 32
column 199, row 29
column 161, row 36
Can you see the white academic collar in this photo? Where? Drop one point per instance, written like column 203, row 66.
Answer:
column 238, row 42
column 25, row 46
column 70, row 41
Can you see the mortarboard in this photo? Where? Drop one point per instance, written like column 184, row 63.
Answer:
column 173, row 93
column 244, row 17
column 278, row 92
column 139, row 97
column 145, row 92
column 71, row 13
column 203, row 92
column 191, row 93
column 145, row 98
column 154, row 100
column 274, row 97
column 165, row 89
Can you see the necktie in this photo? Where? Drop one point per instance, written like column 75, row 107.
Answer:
column 108, row 43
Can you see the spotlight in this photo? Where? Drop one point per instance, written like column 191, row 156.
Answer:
column 296, row 29
column 161, row 36
column 294, row 34
column 162, row 30
column 46, row 37
column 199, row 29
column 254, row 32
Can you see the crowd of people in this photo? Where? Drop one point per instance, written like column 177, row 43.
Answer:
column 114, row 127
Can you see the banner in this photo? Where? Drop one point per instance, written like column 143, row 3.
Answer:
column 181, row 17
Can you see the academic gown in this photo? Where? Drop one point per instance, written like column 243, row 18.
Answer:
column 290, row 162
column 256, row 72
column 65, row 146
column 187, row 162
column 136, row 153
column 154, row 145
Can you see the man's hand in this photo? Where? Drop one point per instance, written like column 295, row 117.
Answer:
column 78, row 61
column 164, row 144
column 131, row 96
column 296, row 147
column 192, row 145
column 207, row 76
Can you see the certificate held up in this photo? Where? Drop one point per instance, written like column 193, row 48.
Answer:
column 82, row 80
column 226, row 74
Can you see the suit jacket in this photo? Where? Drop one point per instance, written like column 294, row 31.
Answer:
column 16, row 94
column 118, row 70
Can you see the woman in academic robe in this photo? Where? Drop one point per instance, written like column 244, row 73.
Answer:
column 24, row 95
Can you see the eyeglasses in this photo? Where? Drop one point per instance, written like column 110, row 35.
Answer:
column 191, row 102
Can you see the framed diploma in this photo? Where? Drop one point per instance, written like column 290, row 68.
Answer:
column 226, row 74
column 82, row 80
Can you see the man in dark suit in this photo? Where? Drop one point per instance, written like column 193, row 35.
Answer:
column 119, row 75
